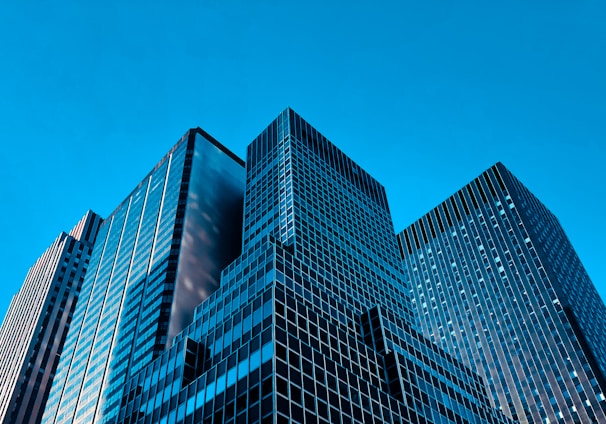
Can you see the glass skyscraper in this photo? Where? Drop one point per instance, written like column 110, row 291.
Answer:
column 35, row 326
column 157, row 256
column 312, row 322
column 497, row 284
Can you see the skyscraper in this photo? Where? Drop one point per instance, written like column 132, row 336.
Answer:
column 157, row 256
column 497, row 284
column 36, row 323
column 311, row 323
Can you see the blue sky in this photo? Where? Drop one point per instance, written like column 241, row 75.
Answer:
column 424, row 95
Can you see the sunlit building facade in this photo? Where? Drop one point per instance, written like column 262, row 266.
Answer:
column 157, row 256
column 496, row 283
column 35, row 326
column 312, row 322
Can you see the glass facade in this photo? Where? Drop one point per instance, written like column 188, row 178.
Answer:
column 33, row 332
column 496, row 283
column 142, row 286
column 312, row 322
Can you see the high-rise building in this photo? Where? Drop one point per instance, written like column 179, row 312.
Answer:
column 157, row 256
column 36, row 323
column 312, row 322
column 497, row 284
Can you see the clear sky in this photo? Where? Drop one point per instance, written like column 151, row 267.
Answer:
column 425, row 95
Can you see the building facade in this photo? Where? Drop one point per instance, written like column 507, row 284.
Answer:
column 312, row 322
column 157, row 256
column 497, row 284
column 35, row 326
